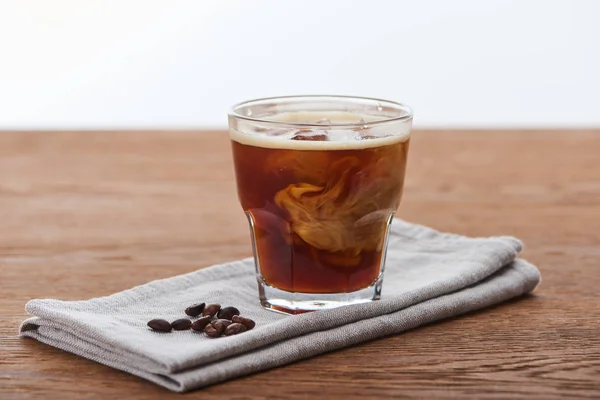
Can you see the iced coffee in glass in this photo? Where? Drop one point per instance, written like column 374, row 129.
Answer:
column 320, row 179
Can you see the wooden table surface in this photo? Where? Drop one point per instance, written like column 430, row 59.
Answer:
column 86, row 214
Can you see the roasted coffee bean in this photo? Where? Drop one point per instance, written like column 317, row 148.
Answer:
column 247, row 322
column 181, row 324
column 235, row 328
column 228, row 313
column 160, row 325
column 211, row 331
column 195, row 310
column 201, row 323
column 221, row 324
column 211, row 309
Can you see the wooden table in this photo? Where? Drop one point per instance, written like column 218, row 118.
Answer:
column 86, row 214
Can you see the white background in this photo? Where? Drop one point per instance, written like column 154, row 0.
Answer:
column 160, row 64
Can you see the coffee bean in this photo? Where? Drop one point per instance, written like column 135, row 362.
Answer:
column 247, row 322
column 228, row 313
column 234, row 329
column 195, row 310
column 160, row 325
column 211, row 331
column 221, row 324
column 181, row 324
column 201, row 323
column 211, row 309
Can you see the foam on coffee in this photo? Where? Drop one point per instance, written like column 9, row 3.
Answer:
column 338, row 138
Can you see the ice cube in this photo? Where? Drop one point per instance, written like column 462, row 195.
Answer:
column 278, row 132
column 323, row 121
column 271, row 131
column 310, row 135
column 316, row 138
column 364, row 137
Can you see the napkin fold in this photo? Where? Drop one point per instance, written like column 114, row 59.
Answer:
column 429, row 276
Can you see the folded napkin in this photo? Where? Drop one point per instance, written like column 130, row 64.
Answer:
column 429, row 276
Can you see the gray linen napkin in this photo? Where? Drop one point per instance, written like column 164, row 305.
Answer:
column 429, row 276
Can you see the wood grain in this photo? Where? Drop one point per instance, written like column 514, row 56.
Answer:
column 87, row 214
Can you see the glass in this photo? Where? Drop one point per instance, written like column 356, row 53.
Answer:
column 320, row 179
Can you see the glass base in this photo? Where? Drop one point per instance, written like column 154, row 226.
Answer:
column 297, row 303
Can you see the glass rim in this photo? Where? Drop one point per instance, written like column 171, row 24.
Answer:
column 408, row 113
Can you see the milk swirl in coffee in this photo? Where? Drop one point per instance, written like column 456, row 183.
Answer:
column 320, row 199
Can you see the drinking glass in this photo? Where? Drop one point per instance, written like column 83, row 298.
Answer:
column 320, row 179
